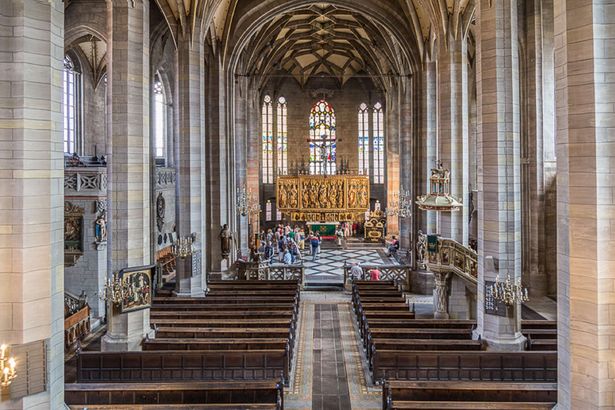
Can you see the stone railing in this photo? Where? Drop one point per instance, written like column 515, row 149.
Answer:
column 85, row 181
column 399, row 274
column 279, row 271
column 451, row 256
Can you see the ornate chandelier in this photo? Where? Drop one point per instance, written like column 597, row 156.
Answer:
column 401, row 205
column 439, row 199
column 113, row 290
column 509, row 292
column 7, row 366
column 183, row 247
column 246, row 203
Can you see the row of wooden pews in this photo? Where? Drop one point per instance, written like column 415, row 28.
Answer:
column 436, row 364
column 231, row 349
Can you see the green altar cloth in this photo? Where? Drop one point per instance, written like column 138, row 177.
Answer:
column 325, row 229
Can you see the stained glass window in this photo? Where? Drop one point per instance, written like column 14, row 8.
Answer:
column 322, row 139
column 282, row 141
column 363, row 140
column 159, row 118
column 71, row 103
column 267, row 141
column 378, row 144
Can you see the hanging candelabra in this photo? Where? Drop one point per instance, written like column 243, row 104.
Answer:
column 183, row 247
column 510, row 291
column 7, row 365
column 113, row 290
column 246, row 202
column 401, row 205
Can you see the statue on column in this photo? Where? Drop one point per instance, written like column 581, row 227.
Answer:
column 440, row 295
column 226, row 239
column 421, row 246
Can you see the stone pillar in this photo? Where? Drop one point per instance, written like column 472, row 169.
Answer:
column 406, row 143
column 253, row 143
column 440, row 295
column 128, row 159
column 190, row 159
column 499, row 199
column 392, row 115
column 538, row 141
column 452, row 128
column 31, row 188
column 585, row 97
column 430, row 137
column 240, row 102
column 218, row 163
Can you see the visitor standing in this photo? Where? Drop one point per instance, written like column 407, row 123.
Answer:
column 315, row 245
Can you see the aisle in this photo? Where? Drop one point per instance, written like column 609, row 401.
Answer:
column 329, row 373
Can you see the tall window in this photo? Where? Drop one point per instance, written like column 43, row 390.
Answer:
column 378, row 144
column 322, row 139
column 282, row 142
column 71, row 104
column 363, row 140
column 267, row 142
column 159, row 119
column 268, row 211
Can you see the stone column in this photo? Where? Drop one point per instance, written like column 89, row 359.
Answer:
column 538, row 141
column 253, row 143
column 128, row 159
column 190, row 212
column 585, row 97
column 459, row 304
column 392, row 115
column 452, row 128
column 406, row 231
column 429, row 135
column 499, row 199
column 218, row 163
column 31, row 189
column 240, row 102
column 440, row 295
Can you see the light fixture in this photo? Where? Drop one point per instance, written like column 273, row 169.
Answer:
column 247, row 203
column 439, row 199
column 509, row 292
column 183, row 247
column 113, row 290
column 7, row 365
column 401, row 205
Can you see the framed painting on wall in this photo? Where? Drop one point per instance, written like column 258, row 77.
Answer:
column 136, row 288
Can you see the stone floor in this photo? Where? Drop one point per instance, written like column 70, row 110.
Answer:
column 328, row 267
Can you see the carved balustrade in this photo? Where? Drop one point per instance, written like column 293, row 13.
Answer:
column 76, row 319
column 91, row 181
column 451, row 256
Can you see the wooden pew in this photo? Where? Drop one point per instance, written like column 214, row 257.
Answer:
column 184, row 395
column 226, row 307
column 467, row 365
column 212, row 299
column 204, row 314
column 538, row 324
column 250, row 284
column 398, row 394
column 165, row 366
column 224, row 323
column 216, row 344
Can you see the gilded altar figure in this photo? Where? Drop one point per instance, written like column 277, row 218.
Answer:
column 293, row 197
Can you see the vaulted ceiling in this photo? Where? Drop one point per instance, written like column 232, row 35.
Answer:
column 339, row 38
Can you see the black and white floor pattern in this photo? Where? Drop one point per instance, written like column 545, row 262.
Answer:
column 328, row 268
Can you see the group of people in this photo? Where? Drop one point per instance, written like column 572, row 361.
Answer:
column 356, row 272
column 286, row 244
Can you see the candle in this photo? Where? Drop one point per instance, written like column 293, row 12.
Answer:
column 2, row 351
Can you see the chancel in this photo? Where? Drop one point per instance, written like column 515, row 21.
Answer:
column 341, row 204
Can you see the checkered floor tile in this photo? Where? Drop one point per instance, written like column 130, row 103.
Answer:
column 328, row 267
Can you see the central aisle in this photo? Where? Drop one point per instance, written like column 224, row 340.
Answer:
column 329, row 371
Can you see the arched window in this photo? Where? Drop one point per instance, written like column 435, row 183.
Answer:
column 363, row 140
column 378, row 144
column 282, row 131
column 322, row 139
column 267, row 141
column 160, row 113
column 71, row 102
column 268, row 214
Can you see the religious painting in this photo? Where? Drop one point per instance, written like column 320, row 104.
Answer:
column 136, row 288
column 73, row 233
